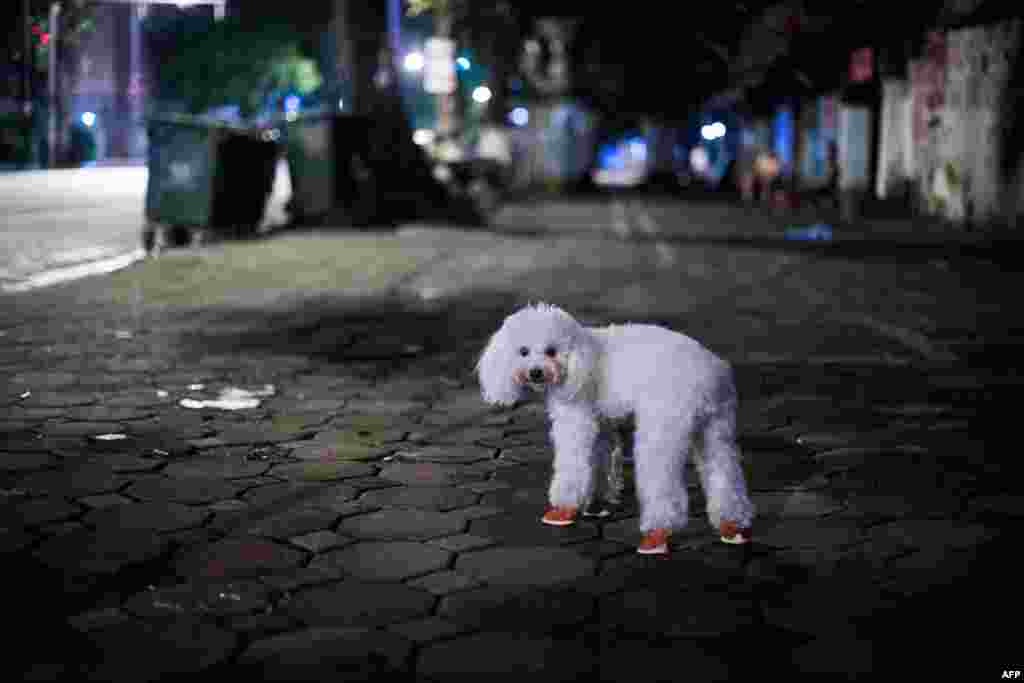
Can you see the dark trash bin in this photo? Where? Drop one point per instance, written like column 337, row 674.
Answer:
column 206, row 176
column 370, row 169
column 328, row 161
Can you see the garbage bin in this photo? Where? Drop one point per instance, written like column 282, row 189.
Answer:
column 206, row 175
column 328, row 156
column 82, row 144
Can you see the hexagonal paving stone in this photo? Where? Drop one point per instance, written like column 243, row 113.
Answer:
column 528, row 476
column 238, row 557
column 321, row 541
column 445, row 581
column 536, row 611
column 809, row 533
column 455, row 454
column 870, row 507
column 800, row 608
column 401, row 523
column 82, row 428
column 124, row 463
column 528, row 530
column 74, row 482
column 210, row 598
column 677, row 614
column 529, row 500
column 322, row 470
column 423, row 497
column 394, row 561
column 191, row 490
column 25, row 461
column 844, row 655
column 105, row 551
column 443, row 432
column 37, row 511
column 429, row 474
column 930, row 533
column 662, row 661
column 299, row 492
column 216, row 467
column 795, row 504
column 319, row 654
column 153, row 516
column 514, row 656
column 534, row 454
column 358, row 603
column 292, row 522
column 149, row 651
column 14, row 539
column 526, row 566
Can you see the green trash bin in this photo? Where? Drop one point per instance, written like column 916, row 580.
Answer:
column 328, row 158
column 206, row 176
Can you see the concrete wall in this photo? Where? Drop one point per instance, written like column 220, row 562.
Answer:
column 954, row 131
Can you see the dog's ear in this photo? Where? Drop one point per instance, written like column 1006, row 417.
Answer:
column 582, row 359
column 495, row 371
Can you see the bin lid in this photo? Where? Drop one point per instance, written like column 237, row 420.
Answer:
column 265, row 132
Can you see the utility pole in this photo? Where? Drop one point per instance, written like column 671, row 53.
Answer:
column 51, row 82
column 26, row 60
column 447, row 117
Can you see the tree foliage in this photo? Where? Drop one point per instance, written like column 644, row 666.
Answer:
column 228, row 62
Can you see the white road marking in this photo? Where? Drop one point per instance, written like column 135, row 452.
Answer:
column 619, row 222
column 68, row 273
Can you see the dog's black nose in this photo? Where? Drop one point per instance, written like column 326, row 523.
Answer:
column 536, row 374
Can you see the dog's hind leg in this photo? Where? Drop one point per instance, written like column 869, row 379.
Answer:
column 729, row 508
column 609, row 449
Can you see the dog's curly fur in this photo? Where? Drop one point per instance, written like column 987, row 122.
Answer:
column 680, row 395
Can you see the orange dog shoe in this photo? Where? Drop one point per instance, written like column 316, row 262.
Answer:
column 559, row 516
column 733, row 534
column 654, row 542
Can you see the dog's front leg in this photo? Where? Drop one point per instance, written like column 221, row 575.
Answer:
column 574, row 431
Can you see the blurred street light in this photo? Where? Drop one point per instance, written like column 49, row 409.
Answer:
column 423, row 136
column 520, row 116
column 88, row 119
column 481, row 94
column 463, row 63
column 413, row 61
column 713, row 131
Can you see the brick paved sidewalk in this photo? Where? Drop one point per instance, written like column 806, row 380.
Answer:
column 366, row 513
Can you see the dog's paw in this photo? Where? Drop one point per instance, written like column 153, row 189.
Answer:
column 559, row 516
column 733, row 534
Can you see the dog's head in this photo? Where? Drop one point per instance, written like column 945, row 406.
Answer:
column 539, row 347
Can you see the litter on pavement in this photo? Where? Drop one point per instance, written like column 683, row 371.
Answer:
column 816, row 232
column 231, row 398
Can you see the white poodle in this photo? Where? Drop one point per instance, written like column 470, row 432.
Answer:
column 678, row 393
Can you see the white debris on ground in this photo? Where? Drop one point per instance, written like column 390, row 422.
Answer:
column 231, row 398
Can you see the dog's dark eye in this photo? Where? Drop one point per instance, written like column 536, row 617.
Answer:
column 523, row 351
column 550, row 352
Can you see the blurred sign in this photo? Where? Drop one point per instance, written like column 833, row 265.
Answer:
column 439, row 71
column 862, row 65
